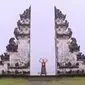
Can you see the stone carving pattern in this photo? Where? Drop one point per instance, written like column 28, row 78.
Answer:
column 61, row 25
column 12, row 46
column 67, row 47
column 23, row 24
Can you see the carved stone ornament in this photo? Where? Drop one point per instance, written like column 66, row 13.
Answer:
column 5, row 57
column 12, row 46
column 23, row 25
column 59, row 14
column 73, row 47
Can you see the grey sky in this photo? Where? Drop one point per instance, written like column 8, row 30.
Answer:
column 42, row 37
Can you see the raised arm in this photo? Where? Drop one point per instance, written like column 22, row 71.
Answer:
column 40, row 60
column 46, row 60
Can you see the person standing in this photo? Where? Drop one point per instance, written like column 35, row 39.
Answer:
column 43, row 66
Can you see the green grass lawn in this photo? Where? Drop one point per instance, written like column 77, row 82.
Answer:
column 68, row 81
column 13, row 81
column 51, row 81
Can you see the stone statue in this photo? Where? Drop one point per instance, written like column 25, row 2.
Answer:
column 12, row 46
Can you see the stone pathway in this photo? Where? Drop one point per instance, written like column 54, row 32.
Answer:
column 39, row 83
